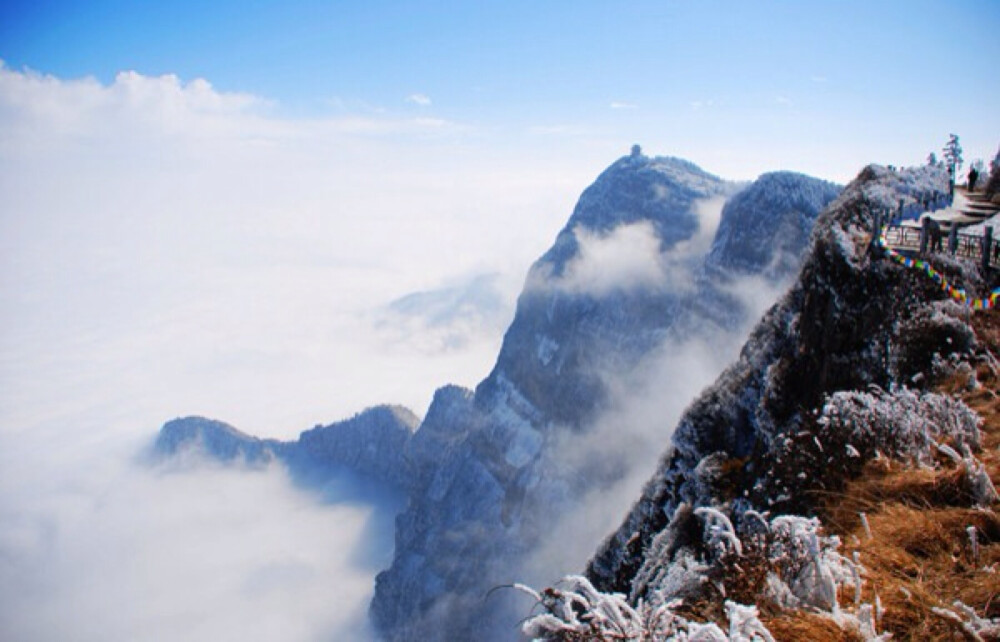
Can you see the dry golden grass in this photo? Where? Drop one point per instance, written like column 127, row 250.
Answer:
column 920, row 555
column 807, row 626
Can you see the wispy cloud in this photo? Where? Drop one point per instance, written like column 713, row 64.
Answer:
column 623, row 105
column 782, row 99
column 698, row 105
column 818, row 79
column 422, row 100
column 630, row 258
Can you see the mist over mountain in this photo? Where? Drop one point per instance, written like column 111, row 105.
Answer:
column 654, row 280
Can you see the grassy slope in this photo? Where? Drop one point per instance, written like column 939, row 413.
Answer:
column 919, row 555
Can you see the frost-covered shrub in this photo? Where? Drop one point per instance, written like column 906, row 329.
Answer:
column 935, row 331
column 578, row 612
column 855, row 427
column 978, row 481
column 974, row 627
column 787, row 561
column 902, row 424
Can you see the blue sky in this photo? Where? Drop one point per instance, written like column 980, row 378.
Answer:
column 708, row 80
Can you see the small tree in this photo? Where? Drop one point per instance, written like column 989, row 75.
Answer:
column 932, row 159
column 953, row 155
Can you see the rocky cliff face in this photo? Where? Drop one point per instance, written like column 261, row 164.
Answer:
column 765, row 228
column 852, row 320
column 371, row 443
column 483, row 489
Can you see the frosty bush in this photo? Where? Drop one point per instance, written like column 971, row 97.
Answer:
column 579, row 612
column 856, row 427
column 786, row 561
column 902, row 424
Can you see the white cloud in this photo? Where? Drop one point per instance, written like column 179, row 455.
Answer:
column 422, row 100
column 630, row 257
column 239, row 253
column 452, row 317
column 623, row 105
column 783, row 100
column 626, row 258
column 96, row 546
column 169, row 249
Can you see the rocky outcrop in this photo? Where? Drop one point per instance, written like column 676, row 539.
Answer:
column 370, row 444
column 846, row 324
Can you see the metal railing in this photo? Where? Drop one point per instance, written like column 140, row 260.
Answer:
column 911, row 239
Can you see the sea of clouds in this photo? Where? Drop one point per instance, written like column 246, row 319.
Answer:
column 168, row 249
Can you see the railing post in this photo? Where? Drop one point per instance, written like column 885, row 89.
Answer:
column 987, row 247
column 925, row 232
column 953, row 239
column 876, row 228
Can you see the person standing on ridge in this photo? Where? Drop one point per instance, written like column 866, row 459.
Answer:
column 973, row 177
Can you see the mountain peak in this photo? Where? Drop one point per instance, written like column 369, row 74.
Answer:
column 765, row 227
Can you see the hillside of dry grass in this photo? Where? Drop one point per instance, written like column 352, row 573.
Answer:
column 918, row 553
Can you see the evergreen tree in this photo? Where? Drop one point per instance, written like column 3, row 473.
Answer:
column 953, row 155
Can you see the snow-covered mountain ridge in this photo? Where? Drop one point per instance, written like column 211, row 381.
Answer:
column 485, row 471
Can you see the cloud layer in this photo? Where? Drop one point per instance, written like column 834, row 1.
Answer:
column 226, row 262
column 95, row 546
column 169, row 249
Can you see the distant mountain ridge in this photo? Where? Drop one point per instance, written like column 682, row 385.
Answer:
column 765, row 228
column 370, row 444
